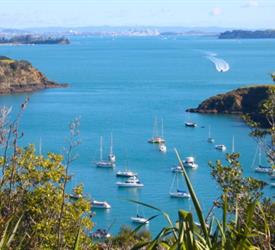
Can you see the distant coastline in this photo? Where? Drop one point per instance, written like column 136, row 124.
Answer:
column 247, row 34
column 32, row 39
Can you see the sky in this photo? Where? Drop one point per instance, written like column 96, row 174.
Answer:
column 250, row 14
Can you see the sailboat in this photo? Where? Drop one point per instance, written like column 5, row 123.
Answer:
column 156, row 138
column 103, row 163
column 139, row 218
column 210, row 139
column 261, row 168
column 178, row 193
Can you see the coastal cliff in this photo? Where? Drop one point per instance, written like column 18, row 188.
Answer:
column 247, row 100
column 21, row 76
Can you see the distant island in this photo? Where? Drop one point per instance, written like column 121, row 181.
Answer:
column 33, row 39
column 21, row 76
column 246, row 100
column 246, row 34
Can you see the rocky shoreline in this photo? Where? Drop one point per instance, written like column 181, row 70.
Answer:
column 242, row 101
column 21, row 76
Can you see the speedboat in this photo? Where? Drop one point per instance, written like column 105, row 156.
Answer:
column 100, row 204
column 263, row 169
column 130, row 182
column 221, row 147
column 125, row 173
column 162, row 148
column 191, row 124
column 189, row 162
column 139, row 219
column 177, row 169
column 180, row 194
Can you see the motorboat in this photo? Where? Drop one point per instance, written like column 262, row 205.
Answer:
column 189, row 162
column 126, row 173
column 263, row 169
column 220, row 147
column 191, row 124
column 100, row 204
column 156, row 138
column 130, row 182
column 75, row 196
column 162, row 148
column 177, row 169
column 180, row 194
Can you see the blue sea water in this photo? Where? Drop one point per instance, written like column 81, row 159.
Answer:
column 120, row 85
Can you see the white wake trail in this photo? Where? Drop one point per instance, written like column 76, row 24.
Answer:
column 220, row 64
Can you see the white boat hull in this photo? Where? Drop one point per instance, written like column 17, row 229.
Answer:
column 104, row 164
column 181, row 195
column 190, row 165
column 139, row 220
column 129, row 185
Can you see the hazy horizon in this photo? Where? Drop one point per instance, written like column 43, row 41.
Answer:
column 240, row 14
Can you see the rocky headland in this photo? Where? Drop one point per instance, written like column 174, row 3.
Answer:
column 21, row 76
column 242, row 101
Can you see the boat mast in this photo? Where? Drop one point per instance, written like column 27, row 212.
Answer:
column 233, row 145
column 157, row 131
column 111, row 145
column 101, row 147
column 260, row 156
column 40, row 146
column 162, row 136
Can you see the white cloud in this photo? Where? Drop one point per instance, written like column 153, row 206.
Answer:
column 216, row 11
column 251, row 4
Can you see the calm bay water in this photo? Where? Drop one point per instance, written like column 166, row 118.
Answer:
column 119, row 86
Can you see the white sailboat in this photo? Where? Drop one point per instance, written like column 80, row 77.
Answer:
column 139, row 218
column 156, row 138
column 177, row 193
column 103, row 163
column 210, row 139
column 162, row 146
column 261, row 168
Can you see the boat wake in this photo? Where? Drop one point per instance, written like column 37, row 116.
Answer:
column 220, row 64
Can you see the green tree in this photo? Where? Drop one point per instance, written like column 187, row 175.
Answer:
column 33, row 193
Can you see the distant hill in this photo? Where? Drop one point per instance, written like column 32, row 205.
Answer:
column 32, row 39
column 245, row 34
column 21, row 76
